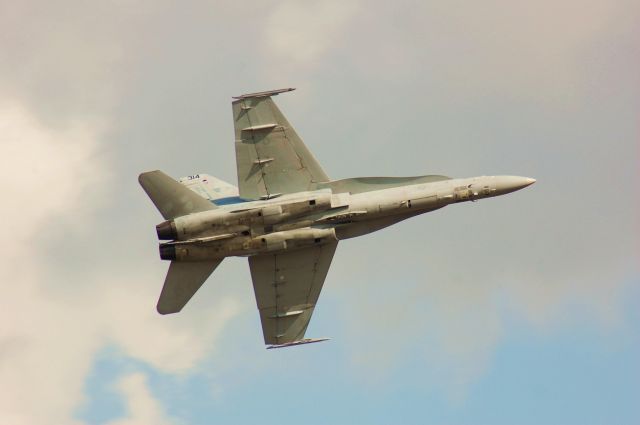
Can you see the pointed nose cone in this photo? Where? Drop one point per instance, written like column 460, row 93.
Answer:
column 508, row 184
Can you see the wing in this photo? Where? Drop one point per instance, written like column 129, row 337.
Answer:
column 271, row 158
column 287, row 287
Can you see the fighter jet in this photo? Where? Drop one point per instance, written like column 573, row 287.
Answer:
column 286, row 215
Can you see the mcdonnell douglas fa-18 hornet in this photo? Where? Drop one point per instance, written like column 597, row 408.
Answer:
column 286, row 216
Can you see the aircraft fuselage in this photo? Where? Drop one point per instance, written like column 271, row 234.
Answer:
column 289, row 222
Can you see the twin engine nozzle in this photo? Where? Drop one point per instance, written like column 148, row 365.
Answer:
column 167, row 230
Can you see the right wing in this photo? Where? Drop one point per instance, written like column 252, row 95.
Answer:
column 287, row 286
column 271, row 158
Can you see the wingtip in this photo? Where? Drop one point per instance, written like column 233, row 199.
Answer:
column 267, row 93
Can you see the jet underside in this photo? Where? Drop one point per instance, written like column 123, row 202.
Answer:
column 286, row 215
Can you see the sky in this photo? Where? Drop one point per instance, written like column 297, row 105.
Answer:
column 515, row 310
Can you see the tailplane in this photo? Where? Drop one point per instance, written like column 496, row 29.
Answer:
column 182, row 282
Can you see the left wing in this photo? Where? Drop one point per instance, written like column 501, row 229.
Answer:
column 271, row 158
column 287, row 286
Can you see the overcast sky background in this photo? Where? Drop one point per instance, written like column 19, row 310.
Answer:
column 515, row 310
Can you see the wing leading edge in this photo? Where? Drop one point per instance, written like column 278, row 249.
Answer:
column 270, row 156
column 287, row 286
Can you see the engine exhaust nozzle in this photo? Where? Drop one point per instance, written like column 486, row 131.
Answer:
column 167, row 230
column 167, row 252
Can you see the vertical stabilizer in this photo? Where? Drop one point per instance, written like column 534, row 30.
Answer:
column 170, row 197
column 209, row 187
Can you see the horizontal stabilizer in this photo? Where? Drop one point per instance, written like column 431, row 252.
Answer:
column 299, row 342
column 170, row 197
column 182, row 282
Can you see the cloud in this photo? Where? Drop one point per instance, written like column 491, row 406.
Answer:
column 62, row 60
column 142, row 408
column 51, row 329
column 72, row 285
column 45, row 176
column 93, row 94
column 300, row 33
column 491, row 88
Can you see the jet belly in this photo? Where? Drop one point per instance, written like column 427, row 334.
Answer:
column 309, row 218
column 244, row 246
column 386, row 202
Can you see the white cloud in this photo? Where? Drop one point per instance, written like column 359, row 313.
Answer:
column 44, row 176
column 45, row 170
column 50, row 329
column 142, row 408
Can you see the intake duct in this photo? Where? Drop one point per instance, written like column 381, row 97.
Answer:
column 167, row 230
column 167, row 252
